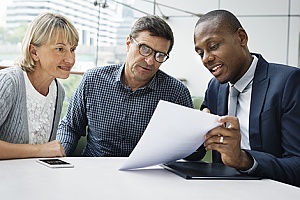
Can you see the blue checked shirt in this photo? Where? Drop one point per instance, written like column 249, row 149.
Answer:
column 114, row 116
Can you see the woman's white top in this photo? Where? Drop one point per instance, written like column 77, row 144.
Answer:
column 40, row 111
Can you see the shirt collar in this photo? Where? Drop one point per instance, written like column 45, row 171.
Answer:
column 119, row 73
column 247, row 78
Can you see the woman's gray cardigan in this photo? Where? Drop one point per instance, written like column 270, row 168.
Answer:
column 13, row 111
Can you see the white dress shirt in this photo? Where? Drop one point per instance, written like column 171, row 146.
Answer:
column 244, row 86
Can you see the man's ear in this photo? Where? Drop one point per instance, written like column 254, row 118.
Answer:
column 33, row 52
column 243, row 37
column 128, row 41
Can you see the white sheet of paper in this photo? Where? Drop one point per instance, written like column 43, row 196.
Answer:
column 173, row 133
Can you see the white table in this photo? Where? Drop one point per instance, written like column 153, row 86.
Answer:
column 99, row 178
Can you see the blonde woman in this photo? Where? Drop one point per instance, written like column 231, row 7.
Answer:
column 31, row 97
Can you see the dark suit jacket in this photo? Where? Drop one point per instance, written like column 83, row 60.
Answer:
column 274, row 127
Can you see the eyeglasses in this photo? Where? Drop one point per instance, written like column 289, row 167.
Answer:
column 147, row 51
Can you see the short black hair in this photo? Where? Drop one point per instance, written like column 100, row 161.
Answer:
column 156, row 26
column 226, row 19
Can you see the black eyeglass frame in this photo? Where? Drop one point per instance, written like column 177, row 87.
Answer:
column 156, row 55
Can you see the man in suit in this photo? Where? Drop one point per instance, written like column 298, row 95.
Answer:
column 263, row 139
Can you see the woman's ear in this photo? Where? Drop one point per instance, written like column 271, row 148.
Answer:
column 33, row 52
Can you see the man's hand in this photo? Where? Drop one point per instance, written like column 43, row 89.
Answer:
column 227, row 141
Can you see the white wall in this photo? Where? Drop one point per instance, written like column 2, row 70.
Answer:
column 266, row 22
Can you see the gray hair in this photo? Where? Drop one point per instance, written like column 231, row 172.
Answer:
column 156, row 26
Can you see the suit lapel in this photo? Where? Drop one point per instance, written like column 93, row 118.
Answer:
column 223, row 100
column 259, row 92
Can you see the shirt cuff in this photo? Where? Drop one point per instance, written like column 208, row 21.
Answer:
column 252, row 169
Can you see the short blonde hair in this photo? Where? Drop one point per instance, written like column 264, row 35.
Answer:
column 45, row 28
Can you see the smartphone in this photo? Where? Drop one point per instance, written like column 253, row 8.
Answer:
column 54, row 163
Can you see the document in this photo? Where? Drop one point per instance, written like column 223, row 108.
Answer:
column 173, row 133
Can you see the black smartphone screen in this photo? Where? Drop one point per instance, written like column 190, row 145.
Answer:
column 54, row 163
